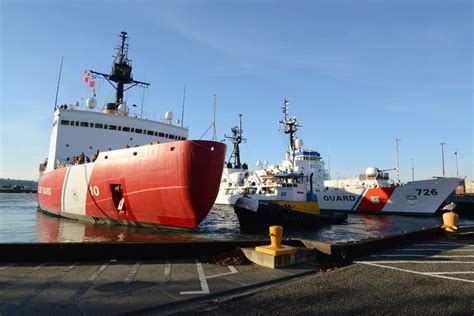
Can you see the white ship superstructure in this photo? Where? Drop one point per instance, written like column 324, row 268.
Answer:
column 81, row 131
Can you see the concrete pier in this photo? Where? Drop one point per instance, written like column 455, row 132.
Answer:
column 383, row 275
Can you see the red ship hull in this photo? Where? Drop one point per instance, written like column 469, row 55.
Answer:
column 172, row 184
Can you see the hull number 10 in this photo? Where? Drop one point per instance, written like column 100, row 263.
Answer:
column 94, row 190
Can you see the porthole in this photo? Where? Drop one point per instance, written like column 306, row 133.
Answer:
column 67, row 145
column 172, row 148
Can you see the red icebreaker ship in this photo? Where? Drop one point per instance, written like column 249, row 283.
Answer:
column 110, row 167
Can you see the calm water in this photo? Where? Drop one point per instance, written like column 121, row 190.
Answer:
column 20, row 222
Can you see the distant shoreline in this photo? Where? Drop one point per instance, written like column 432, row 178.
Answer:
column 18, row 186
column 18, row 190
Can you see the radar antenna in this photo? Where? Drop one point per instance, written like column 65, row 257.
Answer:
column 121, row 72
column 236, row 139
column 290, row 125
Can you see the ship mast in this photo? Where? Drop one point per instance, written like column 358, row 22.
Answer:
column 236, row 139
column 121, row 72
column 291, row 126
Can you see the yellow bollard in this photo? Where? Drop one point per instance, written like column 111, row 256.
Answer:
column 450, row 220
column 276, row 248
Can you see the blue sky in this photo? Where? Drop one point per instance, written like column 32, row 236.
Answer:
column 358, row 73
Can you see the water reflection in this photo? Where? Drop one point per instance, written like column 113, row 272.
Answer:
column 219, row 225
column 20, row 222
column 51, row 229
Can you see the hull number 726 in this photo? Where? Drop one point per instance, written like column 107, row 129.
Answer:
column 426, row 191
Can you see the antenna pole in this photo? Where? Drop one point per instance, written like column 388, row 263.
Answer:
column 121, row 72
column 412, row 170
column 182, row 109
column 214, row 136
column 329, row 167
column 59, row 80
column 442, row 157
column 143, row 97
column 236, row 139
column 398, row 161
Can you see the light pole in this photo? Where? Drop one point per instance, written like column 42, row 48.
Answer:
column 442, row 157
column 398, row 161
column 412, row 170
column 457, row 166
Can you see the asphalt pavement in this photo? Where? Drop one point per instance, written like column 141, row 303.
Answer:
column 431, row 278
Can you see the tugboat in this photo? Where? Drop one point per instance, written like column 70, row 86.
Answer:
column 284, row 185
column 110, row 167
column 284, row 196
column 256, row 215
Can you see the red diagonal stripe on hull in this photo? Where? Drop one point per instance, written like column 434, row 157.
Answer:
column 380, row 194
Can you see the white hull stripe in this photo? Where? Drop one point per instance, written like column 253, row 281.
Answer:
column 63, row 207
column 359, row 200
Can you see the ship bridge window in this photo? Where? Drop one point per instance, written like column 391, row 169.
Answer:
column 120, row 128
column 84, row 124
column 64, row 122
column 113, row 127
column 161, row 134
column 98, row 125
column 92, row 125
column 156, row 133
column 77, row 123
column 126, row 129
column 170, row 136
column 138, row 130
column 150, row 133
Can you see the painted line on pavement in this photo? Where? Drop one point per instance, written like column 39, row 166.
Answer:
column 86, row 285
column 167, row 273
column 42, row 287
column 202, row 278
column 418, row 261
column 414, row 272
column 434, row 249
column 454, row 272
column 4, row 267
column 232, row 269
column 14, row 279
column 130, row 276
